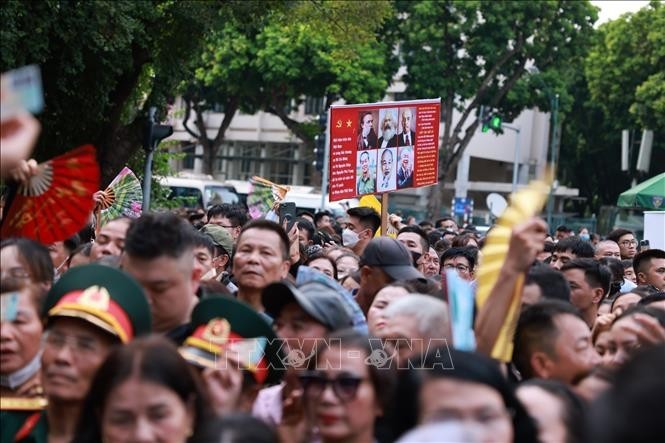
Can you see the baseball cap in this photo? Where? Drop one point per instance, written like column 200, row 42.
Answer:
column 391, row 256
column 219, row 236
column 317, row 299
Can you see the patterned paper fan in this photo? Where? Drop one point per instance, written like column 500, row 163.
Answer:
column 264, row 196
column 122, row 198
column 56, row 203
column 524, row 204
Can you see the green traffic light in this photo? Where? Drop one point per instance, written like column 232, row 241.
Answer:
column 495, row 122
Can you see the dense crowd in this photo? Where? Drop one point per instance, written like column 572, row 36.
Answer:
column 210, row 327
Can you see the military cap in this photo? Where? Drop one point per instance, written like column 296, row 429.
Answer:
column 320, row 301
column 219, row 236
column 224, row 326
column 103, row 296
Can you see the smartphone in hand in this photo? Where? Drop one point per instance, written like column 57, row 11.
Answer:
column 287, row 211
column 21, row 91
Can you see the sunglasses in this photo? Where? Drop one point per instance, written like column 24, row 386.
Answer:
column 345, row 387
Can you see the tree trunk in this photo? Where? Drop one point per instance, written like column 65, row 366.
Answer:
column 115, row 151
column 118, row 143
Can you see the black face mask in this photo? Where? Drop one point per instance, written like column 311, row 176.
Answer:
column 615, row 287
column 415, row 257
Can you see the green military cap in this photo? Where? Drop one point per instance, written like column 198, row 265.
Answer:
column 225, row 327
column 219, row 236
column 103, row 296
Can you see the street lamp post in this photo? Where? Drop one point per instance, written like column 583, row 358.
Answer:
column 516, row 161
column 554, row 122
column 554, row 114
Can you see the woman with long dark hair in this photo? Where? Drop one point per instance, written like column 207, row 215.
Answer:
column 144, row 390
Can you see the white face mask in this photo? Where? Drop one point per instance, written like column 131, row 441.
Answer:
column 349, row 238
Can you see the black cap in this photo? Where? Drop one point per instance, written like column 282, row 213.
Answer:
column 317, row 299
column 391, row 256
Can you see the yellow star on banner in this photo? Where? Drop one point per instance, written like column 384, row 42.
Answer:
column 348, row 123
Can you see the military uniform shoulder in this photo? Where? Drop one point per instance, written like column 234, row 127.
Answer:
column 22, row 403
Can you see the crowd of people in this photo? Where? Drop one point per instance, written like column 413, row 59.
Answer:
column 224, row 329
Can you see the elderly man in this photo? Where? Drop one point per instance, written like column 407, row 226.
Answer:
column 367, row 136
column 91, row 309
column 405, row 168
column 262, row 257
column 387, row 180
column 388, row 137
column 407, row 137
column 607, row 248
column 414, row 324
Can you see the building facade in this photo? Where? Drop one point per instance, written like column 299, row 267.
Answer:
column 260, row 144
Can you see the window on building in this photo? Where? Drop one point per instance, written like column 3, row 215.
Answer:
column 314, row 105
column 277, row 162
column 189, row 157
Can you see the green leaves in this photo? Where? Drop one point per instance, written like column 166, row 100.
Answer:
column 625, row 68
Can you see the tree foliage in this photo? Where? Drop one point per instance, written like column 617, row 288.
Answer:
column 102, row 63
column 330, row 50
column 622, row 86
column 625, row 69
column 473, row 53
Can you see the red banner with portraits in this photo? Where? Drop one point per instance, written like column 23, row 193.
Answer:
column 383, row 147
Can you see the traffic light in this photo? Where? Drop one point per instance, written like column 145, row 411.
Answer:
column 319, row 151
column 154, row 133
column 489, row 121
column 320, row 143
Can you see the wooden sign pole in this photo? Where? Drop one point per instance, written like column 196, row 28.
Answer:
column 384, row 214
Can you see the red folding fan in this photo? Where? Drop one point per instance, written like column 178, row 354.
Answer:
column 56, row 203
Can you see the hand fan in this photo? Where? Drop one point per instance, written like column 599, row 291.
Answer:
column 264, row 196
column 524, row 204
column 56, row 202
column 122, row 198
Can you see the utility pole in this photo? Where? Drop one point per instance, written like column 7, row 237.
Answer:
column 516, row 161
column 154, row 134
column 554, row 122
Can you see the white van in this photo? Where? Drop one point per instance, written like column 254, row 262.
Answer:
column 202, row 192
column 304, row 197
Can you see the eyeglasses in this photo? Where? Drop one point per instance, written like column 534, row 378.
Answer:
column 627, row 243
column 81, row 345
column 460, row 268
column 345, row 387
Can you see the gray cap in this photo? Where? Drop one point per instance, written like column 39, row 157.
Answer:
column 317, row 299
column 391, row 256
